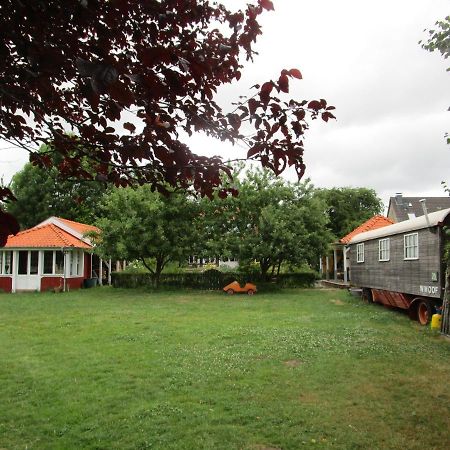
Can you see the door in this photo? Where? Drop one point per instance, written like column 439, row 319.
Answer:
column 27, row 275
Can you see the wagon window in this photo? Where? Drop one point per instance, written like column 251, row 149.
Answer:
column 360, row 253
column 384, row 249
column 411, row 246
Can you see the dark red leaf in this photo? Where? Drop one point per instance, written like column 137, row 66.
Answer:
column 266, row 4
column 283, row 83
column 266, row 89
column 130, row 127
column 252, row 106
column 296, row 73
column 253, row 151
column 314, row 104
column 8, row 224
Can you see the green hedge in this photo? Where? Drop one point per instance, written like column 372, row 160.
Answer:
column 209, row 280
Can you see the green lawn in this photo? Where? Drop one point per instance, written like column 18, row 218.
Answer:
column 123, row 369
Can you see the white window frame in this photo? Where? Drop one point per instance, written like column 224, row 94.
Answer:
column 3, row 262
column 407, row 247
column 76, row 263
column 360, row 253
column 384, row 249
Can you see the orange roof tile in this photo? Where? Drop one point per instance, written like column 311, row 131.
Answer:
column 373, row 223
column 43, row 237
column 77, row 226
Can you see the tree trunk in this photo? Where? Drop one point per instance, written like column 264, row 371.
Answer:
column 445, row 327
column 159, row 268
column 279, row 267
column 264, row 264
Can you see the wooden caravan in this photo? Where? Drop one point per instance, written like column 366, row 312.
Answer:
column 402, row 265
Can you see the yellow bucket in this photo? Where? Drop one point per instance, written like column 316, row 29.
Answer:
column 436, row 321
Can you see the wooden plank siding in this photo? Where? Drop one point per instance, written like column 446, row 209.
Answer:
column 413, row 277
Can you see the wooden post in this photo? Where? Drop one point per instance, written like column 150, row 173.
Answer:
column 344, row 254
column 327, row 266
column 335, row 264
column 100, row 275
column 445, row 326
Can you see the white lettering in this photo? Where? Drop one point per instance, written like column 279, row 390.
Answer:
column 428, row 289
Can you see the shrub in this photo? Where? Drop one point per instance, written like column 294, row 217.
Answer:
column 211, row 280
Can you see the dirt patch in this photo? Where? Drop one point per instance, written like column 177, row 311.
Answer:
column 337, row 302
column 292, row 362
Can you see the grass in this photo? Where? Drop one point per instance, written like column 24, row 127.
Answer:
column 124, row 369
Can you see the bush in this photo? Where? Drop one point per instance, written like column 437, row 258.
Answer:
column 211, row 280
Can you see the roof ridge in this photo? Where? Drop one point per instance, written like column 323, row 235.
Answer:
column 60, row 232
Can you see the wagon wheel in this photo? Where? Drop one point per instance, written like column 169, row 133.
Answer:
column 250, row 292
column 230, row 292
column 424, row 312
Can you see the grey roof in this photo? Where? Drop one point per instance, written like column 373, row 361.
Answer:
column 404, row 208
column 434, row 219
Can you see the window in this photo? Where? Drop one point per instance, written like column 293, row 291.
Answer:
column 23, row 262
column 383, row 250
column 6, row 258
column 34, row 262
column 28, row 262
column 411, row 246
column 59, row 262
column 360, row 253
column 48, row 262
column 76, row 263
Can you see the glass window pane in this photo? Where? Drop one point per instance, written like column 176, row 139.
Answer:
column 73, row 263
column 34, row 261
column 8, row 257
column 23, row 262
column 48, row 262
column 59, row 263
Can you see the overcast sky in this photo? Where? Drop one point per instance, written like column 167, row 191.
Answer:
column 391, row 96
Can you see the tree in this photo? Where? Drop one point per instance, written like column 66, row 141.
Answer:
column 439, row 39
column 138, row 224
column 40, row 193
column 271, row 222
column 349, row 207
column 126, row 77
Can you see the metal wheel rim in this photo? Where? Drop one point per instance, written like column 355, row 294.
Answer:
column 422, row 314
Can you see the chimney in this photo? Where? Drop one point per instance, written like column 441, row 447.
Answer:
column 399, row 198
column 423, row 202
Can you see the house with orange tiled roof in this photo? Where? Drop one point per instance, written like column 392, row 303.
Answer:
column 336, row 266
column 54, row 254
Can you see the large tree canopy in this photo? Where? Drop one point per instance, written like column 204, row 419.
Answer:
column 137, row 224
column 348, row 207
column 40, row 193
column 126, row 77
column 272, row 222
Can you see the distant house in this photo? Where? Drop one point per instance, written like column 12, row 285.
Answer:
column 54, row 254
column 406, row 208
column 336, row 266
